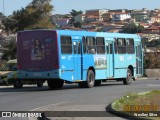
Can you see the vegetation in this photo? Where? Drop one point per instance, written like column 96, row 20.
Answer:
column 132, row 28
column 148, row 101
column 75, row 13
column 35, row 15
column 10, row 51
column 151, row 60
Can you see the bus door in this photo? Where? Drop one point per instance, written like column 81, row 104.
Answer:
column 138, row 58
column 77, row 59
column 110, row 60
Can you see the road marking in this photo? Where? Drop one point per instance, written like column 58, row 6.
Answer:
column 154, row 85
column 49, row 105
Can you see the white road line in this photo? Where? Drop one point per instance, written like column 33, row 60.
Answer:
column 49, row 105
column 154, row 85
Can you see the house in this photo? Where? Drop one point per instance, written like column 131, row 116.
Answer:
column 80, row 18
column 96, row 12
column 118, row 10
column 152, row 30
column 113, row 27
column 90, row 19
column 140, row 15
column 107, row 17
column 119, row 16
column 145, row 25
column 57, row 17
column 63, row 22
column 88, row 27
column 155, row 19
column 154, row 12
column 149, row 37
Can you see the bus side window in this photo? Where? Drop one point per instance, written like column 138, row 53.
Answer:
column 100, row 45
column 84, row 45
column 121, row 46
column 90, row 42
column 66, row 45
column 130, row 46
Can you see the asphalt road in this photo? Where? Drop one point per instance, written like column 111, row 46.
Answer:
column 71, row 97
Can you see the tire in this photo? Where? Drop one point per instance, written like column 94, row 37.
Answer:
column 55, row 84
column 97, row 83
column 40, row 84
column 89, row 83
column 18, row 84
column 128, row 79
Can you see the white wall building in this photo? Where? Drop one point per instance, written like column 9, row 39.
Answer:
column 121, row 16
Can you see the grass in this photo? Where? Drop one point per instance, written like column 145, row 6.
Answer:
column 141, row 102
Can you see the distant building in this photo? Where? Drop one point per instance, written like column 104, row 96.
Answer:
column 63, row 22
column 80, row 18
column 140, row 15
column 97, row 12
column 155, row 19
column 118, row 10
column 150, row 37
column 121, row 17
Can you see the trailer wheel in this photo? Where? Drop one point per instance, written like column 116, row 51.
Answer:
column 128, row 79
column 17, row 84
column 55, row 84
column 89, row 83
column 40, row 84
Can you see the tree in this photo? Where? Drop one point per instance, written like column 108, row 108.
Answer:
column 10, row 50
column 35, row 15
column 9, row 24
column 132, row 28
column 74, row 13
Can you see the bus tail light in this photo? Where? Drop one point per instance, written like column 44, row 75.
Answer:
column 19, row 66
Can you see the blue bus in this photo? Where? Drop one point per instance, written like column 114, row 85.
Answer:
column 82, row 57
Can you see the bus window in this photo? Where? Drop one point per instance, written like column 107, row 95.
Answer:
column 121, row 46
column 66, row 45
column 79, row 48
column 100, row 45
column 130, row 46
column 111, row 48
column 90, row 42
column 84, row 44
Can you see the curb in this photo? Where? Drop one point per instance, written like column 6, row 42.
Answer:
column 147, row 78
column 111, row 110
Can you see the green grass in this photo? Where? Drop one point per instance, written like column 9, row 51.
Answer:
column 139, row 102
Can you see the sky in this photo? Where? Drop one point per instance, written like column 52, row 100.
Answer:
column 65, row 6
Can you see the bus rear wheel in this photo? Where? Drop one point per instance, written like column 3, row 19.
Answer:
column 55, row 84
column 128, row 79
column 17, row 84
column 40, row 84
column 89, row 83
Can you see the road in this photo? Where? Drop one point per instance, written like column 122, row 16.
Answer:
column 70, row 98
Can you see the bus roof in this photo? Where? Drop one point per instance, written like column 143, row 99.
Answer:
column 100, row 34
column 89, row 33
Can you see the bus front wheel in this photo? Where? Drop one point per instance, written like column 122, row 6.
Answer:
column 89, row 83
column 128, row 79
